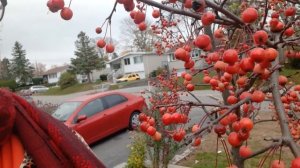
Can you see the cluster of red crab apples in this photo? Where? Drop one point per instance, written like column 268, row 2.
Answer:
column 56, row 5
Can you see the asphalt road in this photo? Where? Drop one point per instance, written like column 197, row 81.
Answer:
column 114, row 150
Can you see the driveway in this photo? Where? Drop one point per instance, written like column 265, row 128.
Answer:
column 114, row 150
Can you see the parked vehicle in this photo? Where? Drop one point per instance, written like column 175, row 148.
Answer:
column 38, row 89
column 129, row 77
column 99, row 115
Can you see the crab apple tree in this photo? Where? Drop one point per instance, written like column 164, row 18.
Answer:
column 244, row 45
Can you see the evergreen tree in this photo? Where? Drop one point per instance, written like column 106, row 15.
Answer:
column 4, row 69
column 20, row 67
column 87, row 58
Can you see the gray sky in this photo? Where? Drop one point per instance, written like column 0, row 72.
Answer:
column 45, row 36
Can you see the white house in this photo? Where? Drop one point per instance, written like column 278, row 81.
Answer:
column 52, row 75
column 142, row 63
column 173, row 63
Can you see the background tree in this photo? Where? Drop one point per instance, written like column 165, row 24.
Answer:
column 4, row 69
column 67, row 79
column 20, row 68
column 40, row 68
column 87, row 58
column 134, row 39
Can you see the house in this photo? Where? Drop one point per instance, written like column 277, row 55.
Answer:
column 142, row 63
column 173, row 63
column 52, row 75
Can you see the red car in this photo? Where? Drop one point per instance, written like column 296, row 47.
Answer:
column 99, row 115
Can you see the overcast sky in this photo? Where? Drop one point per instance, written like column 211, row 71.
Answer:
column 45, row 36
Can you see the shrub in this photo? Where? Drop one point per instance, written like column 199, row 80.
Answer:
column 11, row 84
column 156, row 72
column 137, row 154
column 66, row 80
column 103, row 77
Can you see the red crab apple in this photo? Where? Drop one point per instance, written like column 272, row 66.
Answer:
column 219, row 33
column 290, row 11
column 277, row 164
column 249, row 15
column 197, row 141
column 208, row 18
column 151, row 130
column 247, row 64
column 202, row 41
column 66, row 13
column 110, row 48
column 51, row 6
column 246, row 124
column 282, row 80
column 257, row 54
column 167, row 119
column 245, row 151
column 144, row 126
column 289, row 32
column 59, row 4
column 260, row 37
column 157, row 136
column 156, row 13
column 234, row 140
column 139, row 17
column 230, row 56
column 258, row 96
column 188, row 4
column 98, row 30
column 142, row 26
column 101, row 43
column 220, row 129
column 296, row 163
column 270, row 54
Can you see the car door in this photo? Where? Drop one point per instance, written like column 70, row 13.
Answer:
column 94, row 126
column 117, row 111
column 130, row 78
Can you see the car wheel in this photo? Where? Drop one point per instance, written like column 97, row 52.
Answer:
column 134, row 120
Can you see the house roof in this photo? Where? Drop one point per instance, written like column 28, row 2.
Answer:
column 131, row 53
column 56, row 69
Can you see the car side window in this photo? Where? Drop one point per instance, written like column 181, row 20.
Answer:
column 115, row 99
column 92, row 108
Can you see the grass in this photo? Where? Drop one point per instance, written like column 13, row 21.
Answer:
column 69, row 90
column 205, row 155
column 292, row 74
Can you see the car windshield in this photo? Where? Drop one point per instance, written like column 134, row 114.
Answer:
column 64, row 111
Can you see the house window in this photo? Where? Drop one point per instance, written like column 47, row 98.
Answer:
column 127, row 61
column 138, row 59
column 172, row 57
column 195, row 53
column 52, row 76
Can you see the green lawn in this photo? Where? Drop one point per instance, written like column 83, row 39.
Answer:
column 69, row 90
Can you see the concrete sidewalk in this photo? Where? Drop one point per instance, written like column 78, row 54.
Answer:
column 122, row 165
